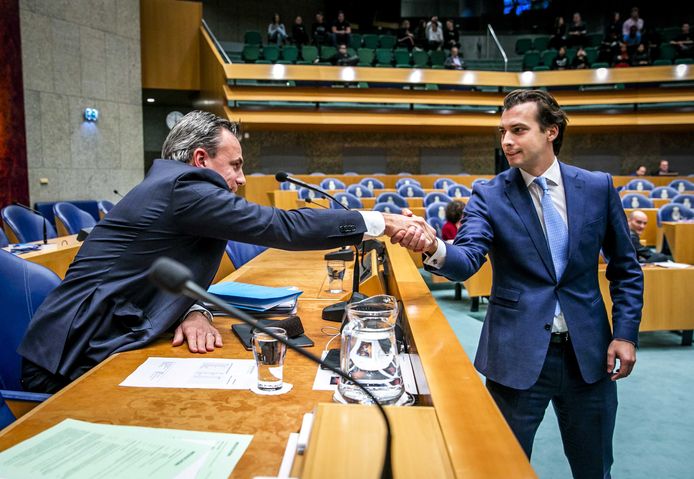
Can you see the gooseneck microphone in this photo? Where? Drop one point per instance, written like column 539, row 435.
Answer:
column 117, row 193
column 45, row 221
column 282, row 176
column 310, row 200
column 173, row 277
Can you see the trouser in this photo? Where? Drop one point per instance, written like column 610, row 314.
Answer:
column 38, row 380
column 586, row 412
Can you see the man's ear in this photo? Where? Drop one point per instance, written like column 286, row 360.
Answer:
column 552, row 133
column 199, row 158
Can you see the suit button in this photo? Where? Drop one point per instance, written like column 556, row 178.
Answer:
column 548, row 327
column 346, row 229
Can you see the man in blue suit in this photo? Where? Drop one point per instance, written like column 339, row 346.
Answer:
column 546, row 336
column 186, row 208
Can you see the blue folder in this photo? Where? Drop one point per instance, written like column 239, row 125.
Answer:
column 252, row 296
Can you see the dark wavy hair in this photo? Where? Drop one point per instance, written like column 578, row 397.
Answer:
column 549, row 112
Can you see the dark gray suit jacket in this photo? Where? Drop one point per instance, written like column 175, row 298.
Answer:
column 106, row 304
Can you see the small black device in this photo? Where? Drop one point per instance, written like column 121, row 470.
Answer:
column 342, row 254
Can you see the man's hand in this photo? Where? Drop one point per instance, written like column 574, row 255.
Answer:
column 197, row 331
column 410, row 231
column 626, row 353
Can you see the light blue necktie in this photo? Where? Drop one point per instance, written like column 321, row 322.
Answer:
column 557, row 233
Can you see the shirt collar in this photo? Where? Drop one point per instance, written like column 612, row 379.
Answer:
column 552, row 174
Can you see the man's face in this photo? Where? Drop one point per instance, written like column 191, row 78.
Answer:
column 664, row 165
column 228, row 161
column 340, row 17
column 641, row 171
column 637, row 222
column 524, row 144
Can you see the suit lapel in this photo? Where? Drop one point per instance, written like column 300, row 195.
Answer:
column 575, row 202
column 521, row 201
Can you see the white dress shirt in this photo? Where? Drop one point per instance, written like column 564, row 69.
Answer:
column 555, row 186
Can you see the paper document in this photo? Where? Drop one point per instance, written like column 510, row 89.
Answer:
column 76, row 449
column 671, row 265
column 196, row 373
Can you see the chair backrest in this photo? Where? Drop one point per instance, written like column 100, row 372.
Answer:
column 640, row 185
column 332, row 184
column 372, row 183
column 6, row 416
column 437, row 57
column 241, row 253
column 434, row 197
column 253, row 38
column 387, row 41
column 327, row 52
column 420, row 59
column 366, row 56
column 360, row 191
column 459, row 191
column 479, row 181
column 306, row 193
column 288, row 186
column 685, row 199
column 437, row 210
column 3, row 239
column 402, row 57
column 663, row 192
column 70, row 219
column 370, row 41
column 393, row 198
column 436, row 223
column 411, row 191
column 104, row 207
column 540, row 43
column 674, row 212
column 406, row 181
column 290, row 53
column 443, row 183
column 387, row 208
column 636, row 201
column 348, row 200
column 25, row 286
column 523, row 45
column 531, row 59
column 682, row 185
column 384, row 56
column 25, row 225
column 271, row 53
column 309, row 53
column 250, row 53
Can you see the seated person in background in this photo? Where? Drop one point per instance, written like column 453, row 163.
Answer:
column 633, row 21
column 640, row 171
column 637, row 224
column 405, row 36
column 319, row 31
column 580, row 61
column 577, row 31
column 641, row 57
column 663, row 169
column 609, row 48
column 434, row 36
column 420, row 35
column 276, row 32
column 451, row 36
column 342, row 30
column 684, row 42
column 614, row 25
column 558, row 34
column 632, row 40
column 186, row 208
column 343, row 58
column 454, row 61
column 299, row 33
column 622, row 60
column 454, row 216
column 561, row 61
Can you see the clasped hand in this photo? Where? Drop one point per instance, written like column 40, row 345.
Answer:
column 410, row 231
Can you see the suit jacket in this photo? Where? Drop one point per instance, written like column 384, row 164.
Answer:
column 106, row 304
column 500, row 220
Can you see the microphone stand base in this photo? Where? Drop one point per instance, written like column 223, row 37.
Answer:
column 336, row 312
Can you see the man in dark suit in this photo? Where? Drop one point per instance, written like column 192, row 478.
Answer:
column 546, row 336
column 186, row 208
column 637, row 224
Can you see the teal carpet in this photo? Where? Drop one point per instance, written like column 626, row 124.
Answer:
column 654, row 437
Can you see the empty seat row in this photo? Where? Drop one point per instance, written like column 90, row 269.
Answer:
column 645, row 185
column 639, row 201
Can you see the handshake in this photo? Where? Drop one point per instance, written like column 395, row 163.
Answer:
column 410, row 231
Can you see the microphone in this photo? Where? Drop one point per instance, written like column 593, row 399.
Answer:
column 310, row 200
column 117, row 193
column 282, row 176
column 173, row 277
column 45, row 221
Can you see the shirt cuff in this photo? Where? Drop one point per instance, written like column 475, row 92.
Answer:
column 375, row 223
column 197, row 308
column 437, row 259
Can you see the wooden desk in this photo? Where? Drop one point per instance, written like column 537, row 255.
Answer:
column 58, row 256
column 680, row 238
column 472, row 427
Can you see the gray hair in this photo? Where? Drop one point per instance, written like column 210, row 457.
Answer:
column 197, row 129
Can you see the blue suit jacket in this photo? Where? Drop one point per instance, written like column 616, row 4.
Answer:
column 500, row 220
column 106, row 304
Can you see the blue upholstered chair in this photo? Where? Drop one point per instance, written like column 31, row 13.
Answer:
column 332, row 184
column 663, row 192
column 317, row 173
column 350, row 173
column 459, row 191
column 387, row 208
column 437, row 210
column 443, row 184
column 393, row 198
column 640, row 185
column 24, row 225
column 347, row 199
column 241, row 253
column 360, row 191
column 674, row 212
column 685, row 199
column 288, row 186
column 434, row 197
column 6, row 416
column 436, row 223
column 3, row 239
column 636, row 200
column 682, row 186
column 411, row 191
column 479, row 181
column 104, row 207
column 406, row 181
column 24, row 287
column 69, row 219
column 306, row 193
column 372, row 183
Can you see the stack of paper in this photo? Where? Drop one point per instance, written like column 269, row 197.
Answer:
column 254, row 297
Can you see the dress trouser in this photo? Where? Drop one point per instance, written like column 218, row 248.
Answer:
column 585, row 412
column 35, row 379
